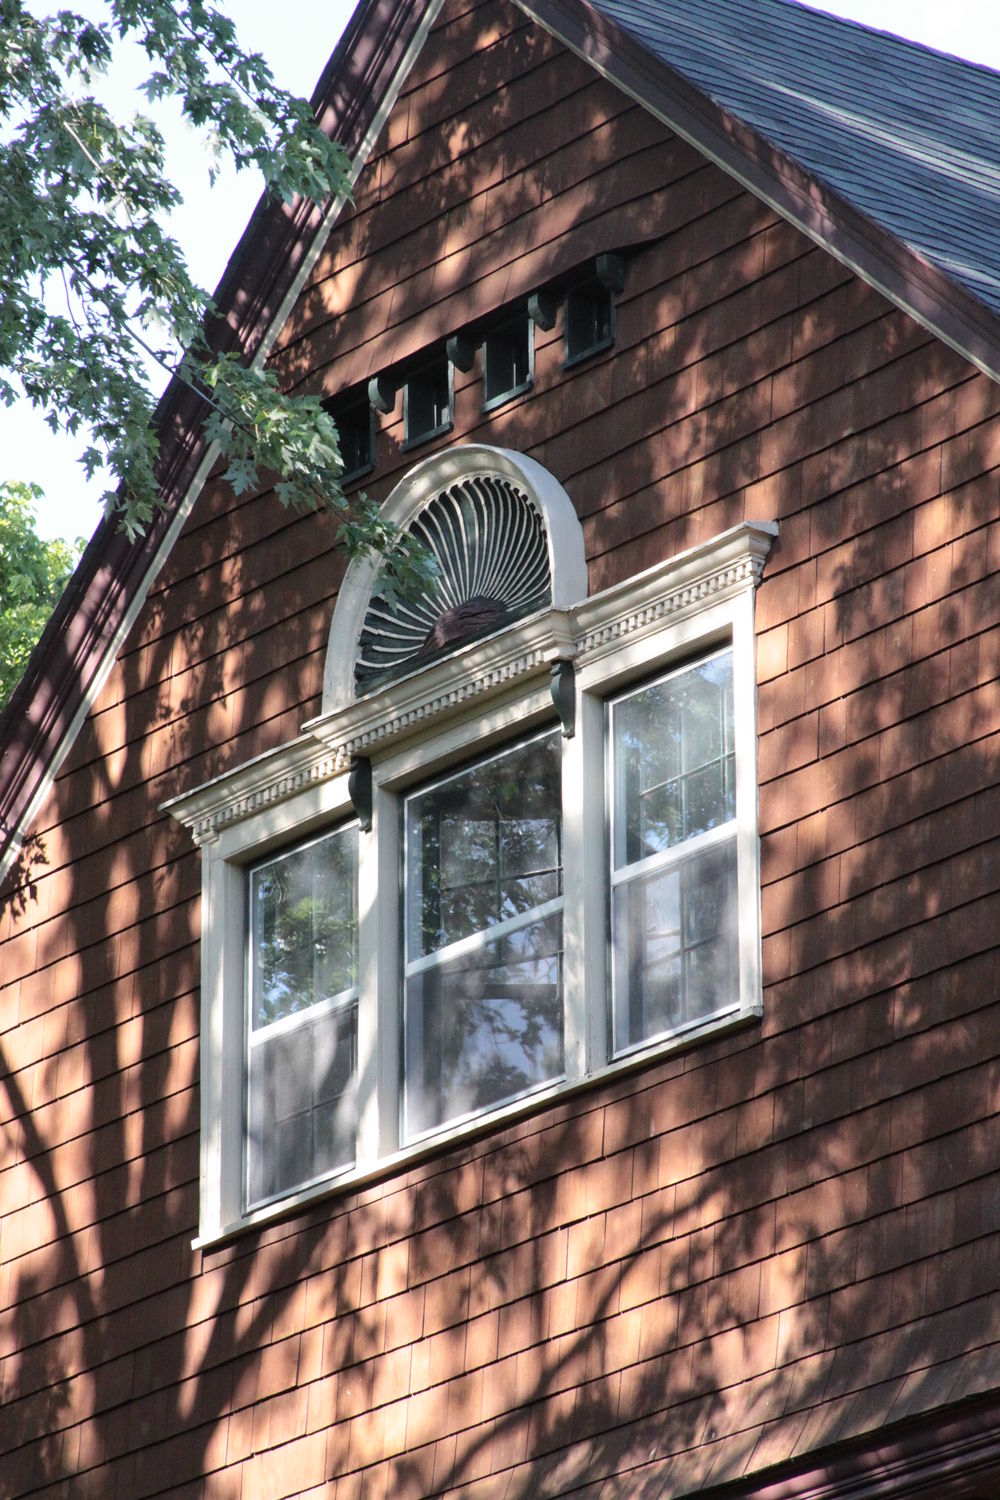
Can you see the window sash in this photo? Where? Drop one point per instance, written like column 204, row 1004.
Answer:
column 300, row 1068
column 656, row 990
column 513, row 1029
column 314, row 1135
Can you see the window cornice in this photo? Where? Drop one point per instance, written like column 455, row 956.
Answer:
column 428, row 697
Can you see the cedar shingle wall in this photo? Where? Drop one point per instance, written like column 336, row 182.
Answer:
column 780, row 1238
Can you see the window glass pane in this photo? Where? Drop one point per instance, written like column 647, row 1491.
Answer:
column 588, row 321
column 675, row 946
column 354, row 429
column 675, row 772
column 484, row 846
column 302, row 1063
column 675, row 951
column 484, row 851
column 484, row 1027
column 507, row 360
column 304, row 927
column 301, row 1103
column 428, row 401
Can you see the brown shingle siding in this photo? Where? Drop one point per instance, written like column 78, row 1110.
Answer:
column 776, row 1237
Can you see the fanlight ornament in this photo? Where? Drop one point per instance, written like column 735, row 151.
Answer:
column 489, row 545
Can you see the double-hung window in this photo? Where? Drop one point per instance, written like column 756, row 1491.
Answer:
column 673, row 846
column 483, row 995
column 515, row 853
column 302, row 1014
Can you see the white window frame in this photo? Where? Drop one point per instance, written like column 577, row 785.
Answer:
column 485, row 694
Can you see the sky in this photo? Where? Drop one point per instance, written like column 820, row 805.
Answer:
column 296, row 37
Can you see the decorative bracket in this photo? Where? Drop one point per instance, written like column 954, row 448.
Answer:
column 542, row 308
column 359, row 789
column 461, row 351
column 562, row 686
column 610, row 272
column 381, row 393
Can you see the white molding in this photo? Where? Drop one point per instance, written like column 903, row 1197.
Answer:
column 672, row 591
column 273, row 777
column 479, row 695
column 563, row 536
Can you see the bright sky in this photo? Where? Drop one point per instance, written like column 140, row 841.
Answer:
column 297, row 36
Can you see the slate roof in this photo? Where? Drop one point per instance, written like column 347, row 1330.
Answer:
column 909, row 136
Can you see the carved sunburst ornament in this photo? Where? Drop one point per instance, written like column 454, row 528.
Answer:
column 489, row 544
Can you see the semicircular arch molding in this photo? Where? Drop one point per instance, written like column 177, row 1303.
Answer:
column 507, row 541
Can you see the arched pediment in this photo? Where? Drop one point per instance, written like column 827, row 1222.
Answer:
column 506, row 542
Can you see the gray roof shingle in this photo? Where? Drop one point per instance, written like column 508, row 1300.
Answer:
column 910, row 137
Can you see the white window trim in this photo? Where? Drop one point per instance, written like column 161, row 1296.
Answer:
column 567, row 561
column 482, row 694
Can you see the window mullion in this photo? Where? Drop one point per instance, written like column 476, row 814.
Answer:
column 223, row 981
column 585, row 923
column 379, row 939
column 747, row 840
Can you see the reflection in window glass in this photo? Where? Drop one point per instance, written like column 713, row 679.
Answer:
column 302, row 1064
column 427, row 402
column 674, row 900
column 355, row 424
column 483, row 1009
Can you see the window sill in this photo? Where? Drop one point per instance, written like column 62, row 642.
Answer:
column 351, row 476
column 425, row 437
column 502, row 397
column 590, row 352
column 450, row 1137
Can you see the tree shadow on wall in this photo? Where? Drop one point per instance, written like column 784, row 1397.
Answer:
column 661, row 1280
column 20, row 887
column 102, row 1199
column 827, row 1266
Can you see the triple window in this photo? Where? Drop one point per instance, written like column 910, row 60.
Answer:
column 491, row 874
column 484, row 1015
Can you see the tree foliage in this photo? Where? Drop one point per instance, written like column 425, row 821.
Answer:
column 33, row 574
column 93, row 281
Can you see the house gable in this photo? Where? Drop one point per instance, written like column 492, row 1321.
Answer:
column 715, row 1270
column 928, row 241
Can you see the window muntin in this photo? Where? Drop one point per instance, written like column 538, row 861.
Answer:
column 483, row 1005
column 674, row 898
column 302, row 1015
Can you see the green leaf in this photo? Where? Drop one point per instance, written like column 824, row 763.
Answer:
column 93, row 279
column 33, row 574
